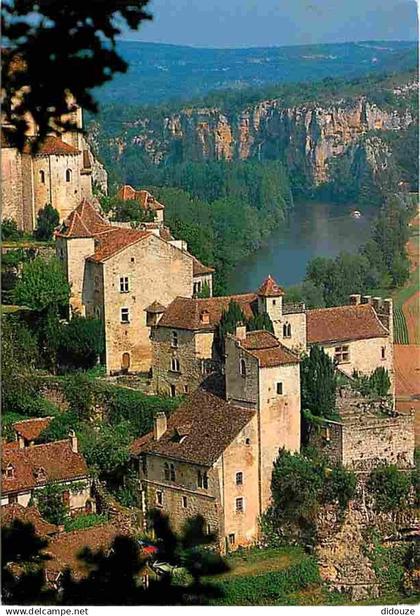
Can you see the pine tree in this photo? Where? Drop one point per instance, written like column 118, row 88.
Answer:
column 318, row 383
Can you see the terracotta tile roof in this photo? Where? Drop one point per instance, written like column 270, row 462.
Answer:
column 155, row 308
column 270, row 288
column 30, row 429
column 84, row 221
column 199, row 269
column 189, row 313
column 207, row 423
column 53, row 145
column 57, row 460
column 265, row 347
column 64, row 548
column 144, row 198
column 116, row 239
column 343, row 323
column 28, row 515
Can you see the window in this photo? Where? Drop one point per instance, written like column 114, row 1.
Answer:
column 125, row 315
column 239, row 505
column 342, row 354
column 231, row 539
column 68, row 175
column 287, row 330
column 274, row 302
column 124, row 285
column 42, row 177
column 133, row 260
column 166, row 472
column 247, row 441
column 173, row 391
column 144, row 465
column 202, row 480
column 242, row 367
column 13, row 499
column 159, row 498
column 184, row 502
column 10, row 471
column 383, row 352
column 197, row 287
column 172, row 472
column 174, row 340
column 279, row 388
column 239, row 478
column 175, row 364
column 186, row 389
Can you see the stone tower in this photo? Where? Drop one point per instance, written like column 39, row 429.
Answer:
column 270, row 299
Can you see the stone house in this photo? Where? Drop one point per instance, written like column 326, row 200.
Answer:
column 58, row 173
column 184, row 351
column 214, row 455
column 26, row 470
column 147, row 202
column 116, row 274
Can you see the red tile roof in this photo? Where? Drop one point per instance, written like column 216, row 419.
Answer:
column 28, row 515
column 270, row 288
column 185, row 313
column 57, row 460
column 207, row 423
column 30, row 429
column 265, row 347
column 343, row 323
column 144, row 198
column 199, row 269
column 84, row 221
column 116, row 239
column 54, row 146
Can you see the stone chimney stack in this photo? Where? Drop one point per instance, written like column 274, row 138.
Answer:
column 355, row 299
column 377, row 304
column 366, row 299
column 21, row 441
column 73, row 441
column 240, row 331
column 160, row 426
column 205, row 317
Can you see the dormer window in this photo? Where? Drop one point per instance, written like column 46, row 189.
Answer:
column 68, row 175
column 40, row 474
column 10, row 471
column 242, row 368
column 42, row 176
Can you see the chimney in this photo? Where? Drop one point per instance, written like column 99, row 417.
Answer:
column 73, row 441
column 376, row 303
column 205, row 317
column 354, row 299
column 159, row 426
column 366, row 299
column 21, row 441
column 240, row 331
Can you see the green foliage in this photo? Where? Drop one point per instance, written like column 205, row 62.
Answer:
column 318, row 383
column 43, row 284
column 50, row 503
column 106, row 449
column 82, row 341
column 260, row 321
column 340, row 485
column 390, row 487
column 205, row 291
column 228, row 321
column 79, row 392
column 59, row 427
column 9, row 230
column 47, row 220
column 389, row 564
column 270, row 588
column 84, row 521
column 376, row 384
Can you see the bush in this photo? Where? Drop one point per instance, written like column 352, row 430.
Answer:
column 60, row 426
column 47, row 220
column 340, row 485
column 78, row 390
column 85, row 521
column 43, row 285
column 9, row 230
column 389, row 486
column 81, row 342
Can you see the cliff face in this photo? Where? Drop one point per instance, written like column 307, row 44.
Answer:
column 304, row 136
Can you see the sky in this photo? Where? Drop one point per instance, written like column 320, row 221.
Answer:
column 249, row 23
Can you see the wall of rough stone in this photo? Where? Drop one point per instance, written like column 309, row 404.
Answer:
column 240, row 389
column 297, row 340
column 64, row 196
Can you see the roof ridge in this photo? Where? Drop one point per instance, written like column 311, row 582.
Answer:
column 33, row 419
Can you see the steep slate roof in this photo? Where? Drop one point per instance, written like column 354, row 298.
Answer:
column 184, row 312
column 30, row 429
column 199, row 269
column 265, row 347
column 111, row 243
column 270, row 288
column 27, row 515
column 207, row 423
column 144, row 198
column 84, row 221
column 58, row 460
column 53, row 145
column 343, row 323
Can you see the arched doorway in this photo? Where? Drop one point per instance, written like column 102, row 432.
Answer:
column 125, row 363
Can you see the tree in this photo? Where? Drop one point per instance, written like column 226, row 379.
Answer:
column 9, row 230
column 106, row 448
column 50, row 503
column 260, row 321
column 47, row 220
column 340, row 485
column 54, row 49
column 81, row 342
column 379, row 381
column 43, row 284
column 318, row 383
column 389, row 486
column 228, row 322
column 205, row 291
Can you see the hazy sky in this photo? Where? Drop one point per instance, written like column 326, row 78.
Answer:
column 242, row 23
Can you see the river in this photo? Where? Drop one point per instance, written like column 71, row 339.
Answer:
column 314, row 229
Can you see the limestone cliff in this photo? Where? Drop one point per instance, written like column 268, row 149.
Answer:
column 304, row 136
